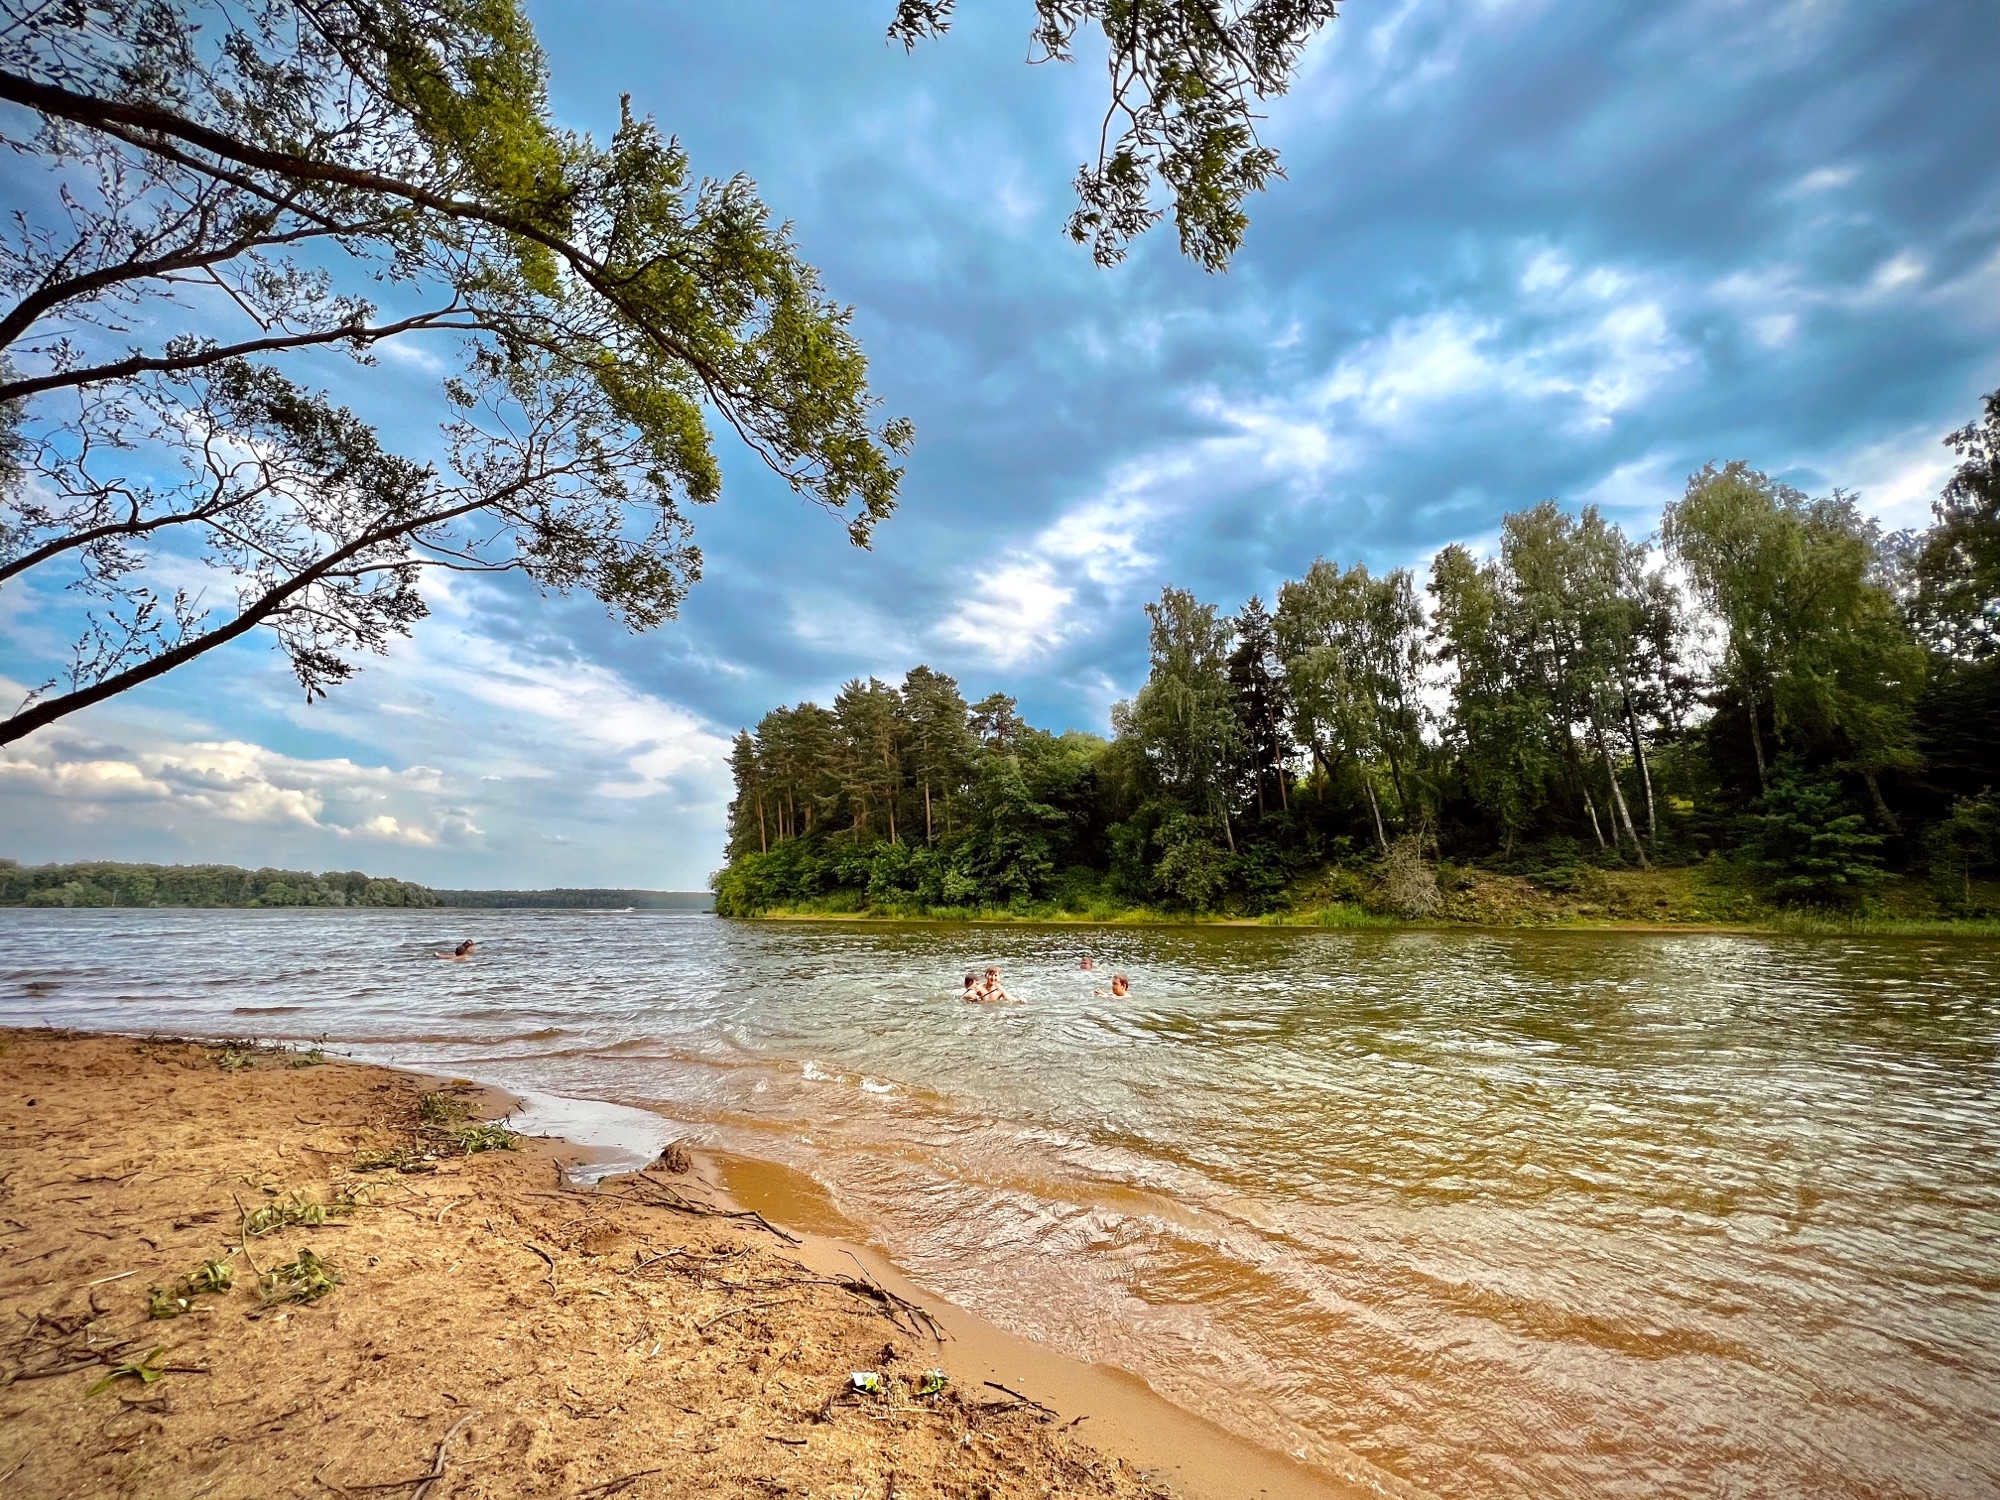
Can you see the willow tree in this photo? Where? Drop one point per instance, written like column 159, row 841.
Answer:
column 233, row 193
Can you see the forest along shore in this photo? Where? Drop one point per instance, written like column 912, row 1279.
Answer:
column 252, row 1272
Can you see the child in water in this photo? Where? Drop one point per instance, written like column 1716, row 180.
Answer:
column 461, row 952
column 1121, row 988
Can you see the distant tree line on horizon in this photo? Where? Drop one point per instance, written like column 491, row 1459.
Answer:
column 1775, row 681
column 110, row 883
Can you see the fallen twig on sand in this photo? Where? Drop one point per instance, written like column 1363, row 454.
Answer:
column 551, row 1277
column 438, row 1465
column 613, row 1486
column 1048, row 1412
column 743, row 1308
column 659, row 1195
column 651, row 1260
column 893, row 1307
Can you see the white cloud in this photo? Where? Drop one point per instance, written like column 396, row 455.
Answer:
column 1018, row 614
column 1898, row 271
column 1896, row 478
column 1025, row 607
column 230, row 781
column 1823, row 180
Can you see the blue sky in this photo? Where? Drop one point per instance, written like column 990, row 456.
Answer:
column 1572, row 248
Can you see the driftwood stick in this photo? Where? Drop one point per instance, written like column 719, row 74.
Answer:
column 1048, row 1411
column 659, row 1195
column 613, row 1486
column 550, row 1278
column 438, row 1466
column 743, row 1308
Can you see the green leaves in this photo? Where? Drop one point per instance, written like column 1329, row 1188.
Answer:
column 609, row 304
column 145, row 1370
column 304, row 1279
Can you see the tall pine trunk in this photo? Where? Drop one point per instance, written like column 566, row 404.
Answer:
column 1582, row 785
column 1881, row 808
column 1368, row 785
column 763, row 841
column 1624, row 813
column 1645, row 772
column 1757, row 742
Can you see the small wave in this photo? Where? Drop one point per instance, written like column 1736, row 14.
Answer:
column 813, row 1073
column 265, row 1010
column 876, row 1086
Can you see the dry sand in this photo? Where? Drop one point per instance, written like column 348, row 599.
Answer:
column 495, row 1331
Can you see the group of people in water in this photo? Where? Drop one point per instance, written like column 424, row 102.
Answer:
column 980, row 989
column 986, row 989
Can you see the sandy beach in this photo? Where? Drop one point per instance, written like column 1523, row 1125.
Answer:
column 254, row 1272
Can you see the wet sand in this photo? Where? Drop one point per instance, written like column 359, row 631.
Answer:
column 494, row 1329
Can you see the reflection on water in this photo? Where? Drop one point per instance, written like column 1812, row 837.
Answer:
column 1511, row 1215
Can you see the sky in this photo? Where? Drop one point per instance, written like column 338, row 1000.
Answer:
column 1525, row 249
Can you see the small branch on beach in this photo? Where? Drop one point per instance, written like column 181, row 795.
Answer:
column 438, row 1465
column 888, row 1303
column 1049, row 1413
column 613, row 1486
column 743, row 1308
column 551, row 1277
column 659, row 1195
column 651, row 1260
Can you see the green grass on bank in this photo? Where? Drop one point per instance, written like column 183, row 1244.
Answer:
column 1711, row 895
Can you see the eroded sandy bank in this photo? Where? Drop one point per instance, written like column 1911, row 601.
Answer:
column 494, row 1330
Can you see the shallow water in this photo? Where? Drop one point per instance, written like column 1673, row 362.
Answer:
column 1537, row 1214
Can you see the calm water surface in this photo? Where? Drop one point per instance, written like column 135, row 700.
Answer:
column 1509, row 1215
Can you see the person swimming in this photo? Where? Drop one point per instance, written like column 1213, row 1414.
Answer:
column 971, row 992
column 1121, row 988
column 1086, row 964
column 992, row 989
column 462, row 951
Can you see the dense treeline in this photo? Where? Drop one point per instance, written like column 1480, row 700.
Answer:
column 103, row 883
column 1770, row 680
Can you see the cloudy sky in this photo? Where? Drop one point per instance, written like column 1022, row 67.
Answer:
column 1527, row 248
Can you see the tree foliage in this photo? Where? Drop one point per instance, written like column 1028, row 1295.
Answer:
column 238, row 198
column 1185, row 80
column 1548, row 706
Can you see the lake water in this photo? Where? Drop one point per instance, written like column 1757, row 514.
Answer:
column 1537, row 1214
